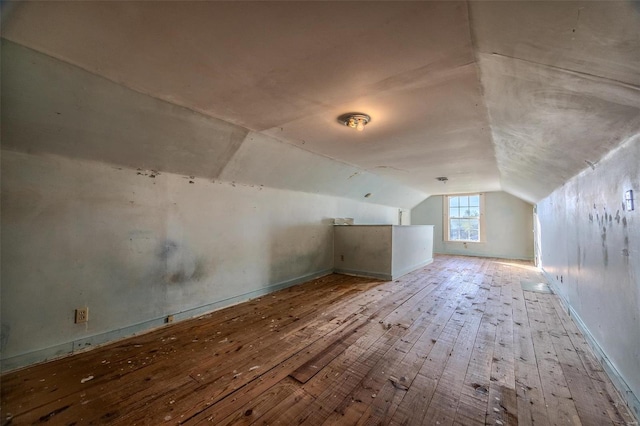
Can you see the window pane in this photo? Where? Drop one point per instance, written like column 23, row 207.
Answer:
column 474, row 200
column 454, row 229
column 454, row 212
column 453, row 202
column 475, row 224
column 474, row 211
column 474, row 235
column 464, row 229
column 464, row 201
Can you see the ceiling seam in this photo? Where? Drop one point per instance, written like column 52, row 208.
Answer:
column 205, row 116
column 570, row 71
column 119, row 83
column 475, row 51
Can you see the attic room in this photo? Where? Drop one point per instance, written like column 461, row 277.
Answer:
column 175, row 175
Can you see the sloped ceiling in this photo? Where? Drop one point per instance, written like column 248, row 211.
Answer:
column 514, row 96
column 562, row 86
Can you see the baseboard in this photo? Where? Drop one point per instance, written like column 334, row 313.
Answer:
column 629, row 397
column 85, row 343
column 486, row 255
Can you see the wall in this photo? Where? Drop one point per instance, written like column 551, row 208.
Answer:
column 591, row 253
column 508, row 222
column 139, row 209
column 363, row 250
column 135, row 246
column 412, row 248
column 382, row 251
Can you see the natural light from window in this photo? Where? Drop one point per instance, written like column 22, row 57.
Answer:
column 464, row 217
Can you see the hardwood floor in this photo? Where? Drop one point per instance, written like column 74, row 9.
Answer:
column 458, row 342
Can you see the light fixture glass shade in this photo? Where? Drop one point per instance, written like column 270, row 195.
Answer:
column 355, row 120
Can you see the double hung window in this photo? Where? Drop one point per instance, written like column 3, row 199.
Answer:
column 464, row 217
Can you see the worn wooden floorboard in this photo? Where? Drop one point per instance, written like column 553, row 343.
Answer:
column 457, row 342
column 594, row 370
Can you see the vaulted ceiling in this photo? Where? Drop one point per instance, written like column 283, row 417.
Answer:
column 513, row 96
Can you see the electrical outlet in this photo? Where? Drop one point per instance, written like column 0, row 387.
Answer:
column 169, row 319
column 82, row 315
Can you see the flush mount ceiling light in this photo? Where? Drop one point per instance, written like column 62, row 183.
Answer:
column 442, row 179
column 355, row 120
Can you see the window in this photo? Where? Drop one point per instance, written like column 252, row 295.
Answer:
column 464, row 218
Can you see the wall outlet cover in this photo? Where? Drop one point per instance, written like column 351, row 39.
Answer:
column 82, row 315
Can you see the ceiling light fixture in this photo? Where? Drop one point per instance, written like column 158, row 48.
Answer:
column 442, row 179
column 355, row 120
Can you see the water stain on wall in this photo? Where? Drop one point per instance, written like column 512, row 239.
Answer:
column 625, row 250
column 602, row 222
column 184, row 275
column 167, row 249
column 579, row 259
column 180, row 265
column 605, row 251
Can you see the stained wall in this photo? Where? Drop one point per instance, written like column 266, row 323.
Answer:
column 137, row 245
column 590, row 244
column 139, row 209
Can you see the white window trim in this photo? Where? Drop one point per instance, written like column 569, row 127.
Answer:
column 445, row 219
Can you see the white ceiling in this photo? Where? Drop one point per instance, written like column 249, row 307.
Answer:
column 513, row 96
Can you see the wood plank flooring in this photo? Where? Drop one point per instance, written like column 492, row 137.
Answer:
column 458, row 342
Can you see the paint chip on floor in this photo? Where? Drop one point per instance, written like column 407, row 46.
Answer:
column 86, row 379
